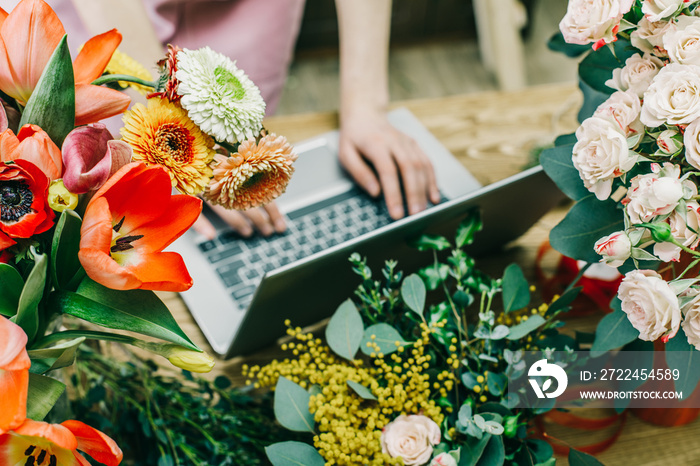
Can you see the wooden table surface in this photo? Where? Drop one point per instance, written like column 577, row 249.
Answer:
column 495, row 134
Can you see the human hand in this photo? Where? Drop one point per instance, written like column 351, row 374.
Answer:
column 267, row 220
column 366, row 137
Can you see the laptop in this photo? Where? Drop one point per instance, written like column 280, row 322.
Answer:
column 244, row 289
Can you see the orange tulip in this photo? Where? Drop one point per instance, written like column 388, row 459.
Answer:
column 34, row 145
column 28, row 37
column 41, row 443
column 126, row 226
column 14, row 375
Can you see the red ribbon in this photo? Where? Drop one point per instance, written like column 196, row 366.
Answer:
column 567, row 419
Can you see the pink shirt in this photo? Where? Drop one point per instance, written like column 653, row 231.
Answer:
column 258, row 34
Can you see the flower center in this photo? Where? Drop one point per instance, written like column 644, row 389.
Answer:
column 175, row 142
column 122, row 243
column 226, row 79
column 36, row 457
column 16, row 200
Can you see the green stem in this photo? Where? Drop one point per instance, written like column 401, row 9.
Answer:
column 578, row 277
column 112, row 78
column 90, row 334
column 692, row 264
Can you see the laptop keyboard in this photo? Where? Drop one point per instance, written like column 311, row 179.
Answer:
column 241, row 263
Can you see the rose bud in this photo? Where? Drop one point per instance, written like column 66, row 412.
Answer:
column 615, row 248
column 670, row 142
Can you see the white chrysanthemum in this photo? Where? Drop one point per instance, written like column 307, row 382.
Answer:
column 218, row 96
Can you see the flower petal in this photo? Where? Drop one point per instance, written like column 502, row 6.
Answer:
column 95, row 55
column 100, row 267
column 28, row 37
column 86, row 158
column 181, row 213
column 94, row 103
column 37, row 147
column 13, row 403
column 9, row 146
column 12, row 345
column 120, row 153
column 164, row 271
column 96, row 444
column 54, row 433
column 5, row 241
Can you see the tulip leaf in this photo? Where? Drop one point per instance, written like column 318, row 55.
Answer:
column 32, row 292
column 293, row 454
column 516, row 289
column 42, row 395
column 385, row 336
column 292, row 406
column 413, row 293
column 65, row 247
column 56, row 357
column 345, row 330
column 11, row 285
column 52, row 104
column 139, row 311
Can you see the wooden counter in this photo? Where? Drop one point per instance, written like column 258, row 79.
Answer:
column 494, row 134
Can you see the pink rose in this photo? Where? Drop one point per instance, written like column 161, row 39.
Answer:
column 636, row 75
column 683, row 230
column 650, row 304
column 657, row 193
column 594, row 21
column 691, row 320
column 622, row 108
column 443, row 459
column 615, row 248
column 411, row 438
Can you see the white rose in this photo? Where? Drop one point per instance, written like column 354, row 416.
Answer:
column 673, row 96
column 601, row 154
column 443, row 459
column 636, row 75
column 411, row 438
column 691, row 321
column 669, row 141
column 691, row 139
column 654, row 194
column 615, row 248
column 648, row 37
column 622, row 108
column 650, row 304
column 594, row 21
column 656, row 10
column 683, row 229
column 683, row 44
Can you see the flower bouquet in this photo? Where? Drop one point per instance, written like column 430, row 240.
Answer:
column 402, row 381
column 84, row 218
column 632, row 167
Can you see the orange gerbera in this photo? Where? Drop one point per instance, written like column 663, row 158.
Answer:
column 33, row 144
column 253, row 176
column 28, row 37
column 126, row 226
column 14, row 375
column 41, row 443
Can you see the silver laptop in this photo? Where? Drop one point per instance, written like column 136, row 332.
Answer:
column 245, row 289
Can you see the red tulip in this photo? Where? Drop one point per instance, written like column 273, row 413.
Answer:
column 14, row 375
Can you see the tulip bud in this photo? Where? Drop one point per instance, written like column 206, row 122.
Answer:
column 615, row 248
column 60, row 198
column 670, row 142
column 190, row 360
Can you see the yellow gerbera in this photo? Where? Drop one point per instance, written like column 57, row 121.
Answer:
column 163, row 134
column 122, row 63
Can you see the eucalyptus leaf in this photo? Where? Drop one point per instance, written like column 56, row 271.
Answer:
column 64, row 248
column 598, row 67
column 42, row 395
column 413, row 293
column 516, row 290
column 559, row 166
column 293, row 454
column 33, row 291
column 613, row 331
column 683, row 356
column 11, row 285
column 578, row 458
column 139, row 311
column 385, row 336
column 564, row 301
column 472, row 450
column 522, row 329
column 345, row 331
column 558, row 44
column 679, row 286
column 494, row 452
column 292, row 406
column 497, row 383
column 361, row 391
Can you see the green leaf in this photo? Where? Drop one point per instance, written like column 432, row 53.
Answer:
column 559, row 166
column 33, row 291
column 494, row 452
column 564, row 301
column 43, row 394
column 516, row 289
column 564, row 139
column 598, row 66
column 385, row 336
column 52, row 103
column 587, row 221
column 467, row 229
column 413, row 293
column 11, row 285
column 541, row 450
column 472, row 449
column 345, row 330
column 578, row 458
column 293, row 454
column 64, row 248
column 591, row 100
column 433, row 276
column 292, row 406
column 56, row 357
column 613, row 331
column 431, row 242
column 558, row 44
column 361, row 391
column 138, row 311
column 497, row 383
column 532, row 323
column 683, row 356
